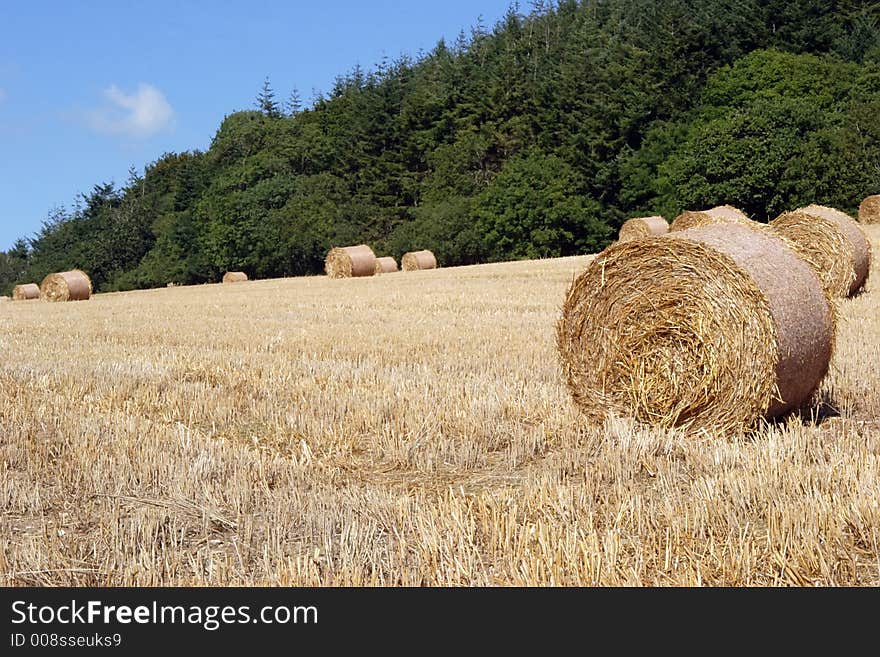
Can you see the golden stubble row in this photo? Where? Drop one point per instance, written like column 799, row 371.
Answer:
column 399, row 431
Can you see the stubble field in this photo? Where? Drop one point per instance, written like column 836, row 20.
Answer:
column 408, row 429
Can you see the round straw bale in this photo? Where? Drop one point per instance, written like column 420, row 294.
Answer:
column 717, row 215
column 832, row 242
column 235, row 277
column 348, row 261
column 73, row 285
column 415, row 260
column 386, row 265
column 642, row 227
column 5, row 298
column 26, row 292
column 710, row 328
column 869, row 210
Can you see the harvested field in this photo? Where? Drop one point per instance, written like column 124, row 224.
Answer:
column 212, row 435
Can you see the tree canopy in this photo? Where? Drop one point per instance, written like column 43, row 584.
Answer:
column 534, row 138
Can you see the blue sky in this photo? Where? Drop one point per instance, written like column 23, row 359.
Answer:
column 89, row 89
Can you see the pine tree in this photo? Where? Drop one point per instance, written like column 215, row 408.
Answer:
column 266, row 102
column 294, row 103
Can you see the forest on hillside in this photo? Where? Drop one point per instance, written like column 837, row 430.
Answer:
column 536, row 137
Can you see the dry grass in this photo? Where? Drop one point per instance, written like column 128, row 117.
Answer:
column 269, row 439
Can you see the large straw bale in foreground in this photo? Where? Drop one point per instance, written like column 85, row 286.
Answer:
column 710, row 328
column 235, row 277
column 642, row 227
column 386, row 265
column 832, row 242
column 869, row 210
column 349, row 261
column 26, row 292
column 415, row 260
column 717, row 215
column 74, row 285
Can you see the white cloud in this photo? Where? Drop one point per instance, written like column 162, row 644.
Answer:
column 139, row 115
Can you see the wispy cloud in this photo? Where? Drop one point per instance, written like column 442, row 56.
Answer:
column 142, row 114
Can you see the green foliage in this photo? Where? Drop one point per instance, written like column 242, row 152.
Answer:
column 535, row 137
column 535, row 209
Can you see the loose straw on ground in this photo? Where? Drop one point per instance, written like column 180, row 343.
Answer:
column 832, row 242
column 711, row 328
column 73, row 285
column 642, row 227
column 26, row 292
column 869, row 210
column 717, row 215
column 415, row 260
column 386, row 265
column 349, row 261
column 235, row 277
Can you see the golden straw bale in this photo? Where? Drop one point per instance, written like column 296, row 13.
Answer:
column 869, row 210
column 235, row 277
column 415, row 260
column 832, row 242
column 717, row 215
column 5, row 298
column 73, row 285
column 711, row 328
column 26, row 292
column 642, row 227
column 386, row 265
column 349, row 261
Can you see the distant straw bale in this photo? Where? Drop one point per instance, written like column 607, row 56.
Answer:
column 717, row 215
column 832, row 242
column 415, row 260
column 74, row 285
column 350, row 261
column 235, row 277
column 711, row 329
column 5, row 298
column 869, row 210
column 26, row 292
column 642, row 227
column 386, row 265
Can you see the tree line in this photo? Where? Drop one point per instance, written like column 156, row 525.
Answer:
column 534, row 138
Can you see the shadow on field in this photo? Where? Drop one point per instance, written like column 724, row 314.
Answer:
column 821, row 410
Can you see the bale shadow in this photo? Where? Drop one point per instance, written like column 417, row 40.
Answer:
column 822, row 408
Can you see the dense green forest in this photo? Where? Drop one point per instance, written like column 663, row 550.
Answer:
column 535, row 137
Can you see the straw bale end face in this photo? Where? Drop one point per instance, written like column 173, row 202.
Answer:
column 235, row 277
column 386, row 265
column 26, row 292
column 642, row 227
column 709, row 329
column 869, row 210
column 74, row 285
column 416, row 260
column 350, row 261
column 717, row 215
column 832, row 242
